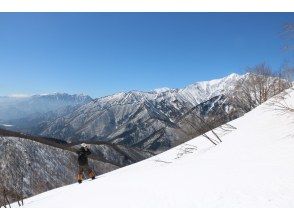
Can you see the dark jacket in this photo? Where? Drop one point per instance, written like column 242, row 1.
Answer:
column 83, row 156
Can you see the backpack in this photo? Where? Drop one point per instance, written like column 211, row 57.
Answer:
column 82, row 158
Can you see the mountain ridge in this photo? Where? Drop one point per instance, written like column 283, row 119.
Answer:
column 130, row 117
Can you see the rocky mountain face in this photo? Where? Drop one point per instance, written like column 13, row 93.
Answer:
column 145, row 120
column 142, row 120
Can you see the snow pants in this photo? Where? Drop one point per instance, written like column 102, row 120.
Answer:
column 84, row 168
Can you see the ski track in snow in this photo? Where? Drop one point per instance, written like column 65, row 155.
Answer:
column 251, row 167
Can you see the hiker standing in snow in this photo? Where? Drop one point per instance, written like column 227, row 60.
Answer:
column 83, row 154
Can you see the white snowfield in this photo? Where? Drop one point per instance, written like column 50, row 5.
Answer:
column 253, row 166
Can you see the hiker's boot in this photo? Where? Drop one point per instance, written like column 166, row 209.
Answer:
column 91, row 174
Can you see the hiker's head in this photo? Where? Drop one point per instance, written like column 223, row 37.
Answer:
column 84, row 146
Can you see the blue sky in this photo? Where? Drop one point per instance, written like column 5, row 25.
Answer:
column 103, row 53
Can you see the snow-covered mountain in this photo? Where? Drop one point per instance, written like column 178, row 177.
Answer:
column 193, row 94
column 12, row 107
column 134, row 117
column 205, row 90
column 145, row 120
column 252, row 166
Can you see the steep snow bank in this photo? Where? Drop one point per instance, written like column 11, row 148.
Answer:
column 252, row 167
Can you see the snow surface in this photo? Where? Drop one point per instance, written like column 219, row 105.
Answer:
column 161, row 90
column 252, row 167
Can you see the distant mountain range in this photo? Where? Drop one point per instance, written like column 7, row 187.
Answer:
column 19, row 107
column 146, row 120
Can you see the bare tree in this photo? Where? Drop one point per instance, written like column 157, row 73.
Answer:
column 201, row 125
column 5, row 201
column 259, row 84
column 287, row 73
column 279, row 103
column 9, row 195
column 11, row 188
column 199, row 130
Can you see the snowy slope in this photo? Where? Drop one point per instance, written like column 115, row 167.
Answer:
column 251, row 167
